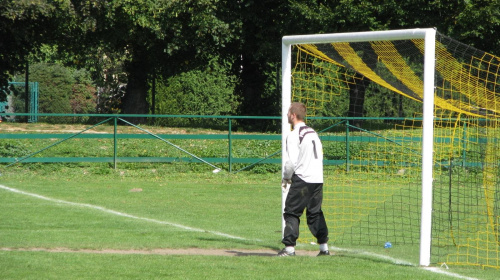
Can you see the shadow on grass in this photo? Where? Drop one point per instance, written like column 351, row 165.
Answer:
column 266, row 251
column 255, row 253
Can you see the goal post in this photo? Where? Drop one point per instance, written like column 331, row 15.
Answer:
column 443, row 97
column 427, row 147
column 429, row 36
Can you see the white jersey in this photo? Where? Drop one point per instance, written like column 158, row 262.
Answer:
column 304, row 155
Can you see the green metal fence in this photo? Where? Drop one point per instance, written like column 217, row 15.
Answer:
column 32, row 100
column 345, row 136
column 228, row 136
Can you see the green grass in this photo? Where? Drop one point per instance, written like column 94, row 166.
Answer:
column 194, row 200
column 23, row 265
column 244, row 205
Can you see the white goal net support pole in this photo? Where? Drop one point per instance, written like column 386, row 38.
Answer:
column 428, row 34
column 286, row 100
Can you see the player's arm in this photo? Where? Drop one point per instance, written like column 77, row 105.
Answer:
column 287, row 173
column 291, row 158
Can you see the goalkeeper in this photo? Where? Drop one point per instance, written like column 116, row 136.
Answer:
column 304, row 171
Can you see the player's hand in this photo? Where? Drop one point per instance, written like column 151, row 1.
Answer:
column 284, row 182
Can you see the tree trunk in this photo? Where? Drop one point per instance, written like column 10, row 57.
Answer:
column 134, row 101
column 251, row 81
column 357, row 100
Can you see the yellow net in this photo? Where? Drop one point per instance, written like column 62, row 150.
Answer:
column 371, row 94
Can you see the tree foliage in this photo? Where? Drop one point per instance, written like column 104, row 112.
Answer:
column 208, row 91
column 166, row 37
column 24, row 26
column 125, row 42
column 61, row 90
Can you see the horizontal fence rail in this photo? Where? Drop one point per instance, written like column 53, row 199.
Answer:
column 274, row 157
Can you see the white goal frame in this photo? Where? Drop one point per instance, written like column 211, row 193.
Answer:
column 429, row 35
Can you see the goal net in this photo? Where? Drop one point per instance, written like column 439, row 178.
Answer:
column 409, row 121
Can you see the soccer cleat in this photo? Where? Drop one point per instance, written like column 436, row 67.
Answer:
column 324, row 253
column 284, row 253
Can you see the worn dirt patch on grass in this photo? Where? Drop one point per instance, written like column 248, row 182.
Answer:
column 166, row 251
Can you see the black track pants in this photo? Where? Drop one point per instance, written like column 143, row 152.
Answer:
column 302, row 196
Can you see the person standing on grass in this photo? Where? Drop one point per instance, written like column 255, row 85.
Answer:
column 304, row 171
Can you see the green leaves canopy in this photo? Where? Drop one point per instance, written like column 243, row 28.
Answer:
column 169, row 37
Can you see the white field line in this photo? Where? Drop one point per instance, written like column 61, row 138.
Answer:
column 59, row 201
column 402, row 262
column 390, row 259
column 440, row 271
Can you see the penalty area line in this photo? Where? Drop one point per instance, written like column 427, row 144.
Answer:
column 121, row 214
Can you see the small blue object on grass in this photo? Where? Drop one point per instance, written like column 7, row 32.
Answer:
column 387, row 245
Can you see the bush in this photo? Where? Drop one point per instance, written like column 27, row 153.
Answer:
column 61, row 90
column 197, row 92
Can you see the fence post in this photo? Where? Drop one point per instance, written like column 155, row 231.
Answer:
column 464, row 146
column 114, row 141
column 229, row 158
column 347, row 145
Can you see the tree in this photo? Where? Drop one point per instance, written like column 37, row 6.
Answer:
column 341, row 16
column 24, row 26
column 61, row 89
column 478, row 24
column 166, row 37
column 205, row 91
column 260, row 55
column 473, row 22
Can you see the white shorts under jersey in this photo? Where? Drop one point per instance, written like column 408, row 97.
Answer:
column 304, row 155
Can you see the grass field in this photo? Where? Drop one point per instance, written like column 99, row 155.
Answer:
column 175, row 221
column 83, row 224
